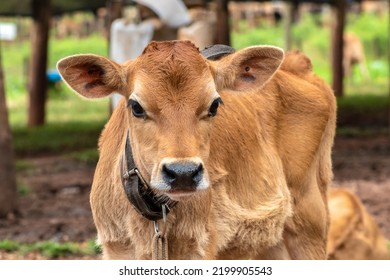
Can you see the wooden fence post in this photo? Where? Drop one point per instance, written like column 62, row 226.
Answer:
column 222, row 27
column 388, row 57
column 338, row 47
column 41, row 11
column 8, row 192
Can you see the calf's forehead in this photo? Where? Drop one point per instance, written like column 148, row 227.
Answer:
column 172, row 70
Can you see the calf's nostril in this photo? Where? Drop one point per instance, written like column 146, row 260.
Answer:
column 168, row 175
column 198, row 174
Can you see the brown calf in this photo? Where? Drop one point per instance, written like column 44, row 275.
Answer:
column 242, row 144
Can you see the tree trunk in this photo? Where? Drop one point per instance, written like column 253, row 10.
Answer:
column 388, row 57
column 222, row 35
column 338, row 47
column 114, row 8
column 39, row 43
column 7, row 169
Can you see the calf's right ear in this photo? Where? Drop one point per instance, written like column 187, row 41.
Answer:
column 92, row 76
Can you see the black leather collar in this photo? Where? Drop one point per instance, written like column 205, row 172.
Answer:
column 153, row 207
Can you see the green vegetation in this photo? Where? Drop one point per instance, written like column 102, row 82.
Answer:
column 312, row 36
column 9, row 245
column 16, row 55
column 72, row 123
column 22, row 165
column 50, row 249
column 369, row 111
column 93, row 247
column 23, row 189
column 57, row 138
column 89, row 156
column 367, row 103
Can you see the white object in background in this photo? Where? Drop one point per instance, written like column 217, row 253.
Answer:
column 171, row 12
column 7, row 31
column 127, row 42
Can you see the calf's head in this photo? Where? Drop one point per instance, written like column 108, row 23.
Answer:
column 172, row 99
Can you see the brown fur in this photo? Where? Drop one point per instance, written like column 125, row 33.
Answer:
column 266, row 153
column 353, row 232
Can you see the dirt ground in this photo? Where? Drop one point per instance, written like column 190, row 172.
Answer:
column 363, row 165
column 56, row 201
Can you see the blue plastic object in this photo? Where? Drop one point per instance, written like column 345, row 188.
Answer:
column 53, row 76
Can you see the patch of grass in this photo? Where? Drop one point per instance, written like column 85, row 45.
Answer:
column 23, row 189
column 54, row 250
column 93, row 44
column 72, row 123
column 56, row 138
column 15, row 62
column 257, row 36
column 88, row 156
column 22, row 165
column 50, row 249
column 17, row 54
column 62, row 106
column 353, row 131
column 93, row 247
column 365, row 87
column 363, row 110
column 363, row 102
column 9, row 245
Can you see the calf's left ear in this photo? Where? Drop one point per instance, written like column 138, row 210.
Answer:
column 249, row 68
column 92, row 76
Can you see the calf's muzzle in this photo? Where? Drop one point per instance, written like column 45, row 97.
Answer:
column 184, row 176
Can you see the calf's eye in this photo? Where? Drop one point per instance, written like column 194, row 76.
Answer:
column 214, row 107
column 136, row 109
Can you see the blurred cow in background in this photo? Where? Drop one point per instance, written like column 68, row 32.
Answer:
column 354, row 55
column 201, row 31
column 353, row 232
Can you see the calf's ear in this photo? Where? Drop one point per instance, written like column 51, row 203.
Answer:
column 249, row 68
column 92, row 76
